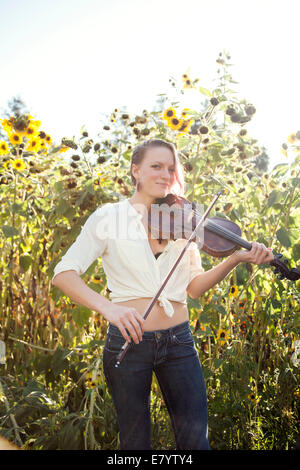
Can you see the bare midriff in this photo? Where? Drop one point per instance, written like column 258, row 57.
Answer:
column 157, row 318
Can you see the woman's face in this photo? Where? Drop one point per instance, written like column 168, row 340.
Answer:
column 156, row 173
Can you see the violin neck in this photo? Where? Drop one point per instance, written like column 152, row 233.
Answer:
column 225, row 233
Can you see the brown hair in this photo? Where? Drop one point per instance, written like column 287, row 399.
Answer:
column 138, row 155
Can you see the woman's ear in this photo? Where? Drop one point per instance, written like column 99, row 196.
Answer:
column 135, row 171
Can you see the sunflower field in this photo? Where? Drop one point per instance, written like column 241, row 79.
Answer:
column 246, row 329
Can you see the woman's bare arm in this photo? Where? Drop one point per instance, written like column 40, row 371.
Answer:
column 208, row 279
column 71, row 284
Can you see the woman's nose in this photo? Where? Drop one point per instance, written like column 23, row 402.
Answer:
column 166, row 174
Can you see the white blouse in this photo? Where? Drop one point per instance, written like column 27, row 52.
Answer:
column 116, row 233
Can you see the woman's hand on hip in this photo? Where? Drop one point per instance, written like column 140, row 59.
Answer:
column 126, row 317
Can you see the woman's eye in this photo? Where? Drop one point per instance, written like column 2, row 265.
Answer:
column 157, row 166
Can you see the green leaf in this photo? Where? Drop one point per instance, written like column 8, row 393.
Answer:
column 25, row 262
column 62, row 207
column 9, row 231
column 205, row 91
column 80, row 315
column 255, row 201
column 60, row 361
column 182, row 141
column 17, row 208
column 221, row 309
column 274, row 197
column 295, row 182
column 90, row 188
column 217, row 362
column 204, row 318
column 276, row 304
column 59, row 186
column 280, row 169
column 296, row 252
column 283, row 237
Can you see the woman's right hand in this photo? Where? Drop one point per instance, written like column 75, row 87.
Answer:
column 126, row 317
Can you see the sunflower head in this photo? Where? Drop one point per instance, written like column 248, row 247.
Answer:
column 18, row 164
column 20, row 124
column 169, row 113
column 4, row 149
column 15, row 138
column 233, row 291
column 223, row 336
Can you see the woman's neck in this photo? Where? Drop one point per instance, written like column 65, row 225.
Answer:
column 141, row 199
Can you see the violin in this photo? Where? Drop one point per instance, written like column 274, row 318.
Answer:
column 220, row 236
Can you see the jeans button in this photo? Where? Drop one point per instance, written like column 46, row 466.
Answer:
column 158, row 335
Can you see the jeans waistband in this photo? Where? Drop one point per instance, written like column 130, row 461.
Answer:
column 113, row 329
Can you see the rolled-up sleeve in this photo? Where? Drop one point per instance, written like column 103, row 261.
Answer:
column 90, row 244
column 195, row 262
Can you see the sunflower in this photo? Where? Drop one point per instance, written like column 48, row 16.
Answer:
column 35, row 124
column 97, row 184
column 184, row 112
column 92, row 379
column 292, row 138
column 43, row 146
column 97, row 279
column 169, row 114
column 4, row 149
column 7, row 164
column 15, row 138
column 30, row 131
column 63, row 149
column 33, row 145
column 253, row 397
column 18, row 164
column 233, row 291
column 7, row 125
column 48, row 139
column 175, row 123
column 187, row 84
column 223, row 336
column 185, row 126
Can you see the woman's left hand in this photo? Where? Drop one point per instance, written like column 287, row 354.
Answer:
column 259, row 254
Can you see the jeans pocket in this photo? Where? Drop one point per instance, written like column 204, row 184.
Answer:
column 114, row 343
column 184, row 338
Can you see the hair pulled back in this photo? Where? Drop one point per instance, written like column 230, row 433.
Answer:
column 138, row 155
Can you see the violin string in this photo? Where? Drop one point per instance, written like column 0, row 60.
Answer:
column 223, row 231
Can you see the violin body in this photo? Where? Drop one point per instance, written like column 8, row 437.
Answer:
column 174, row 217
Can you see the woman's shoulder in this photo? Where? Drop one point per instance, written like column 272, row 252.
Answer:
column 110, row 207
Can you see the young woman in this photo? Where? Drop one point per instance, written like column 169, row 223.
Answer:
column 136, row 265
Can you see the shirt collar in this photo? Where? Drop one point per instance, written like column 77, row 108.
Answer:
column 132, row 211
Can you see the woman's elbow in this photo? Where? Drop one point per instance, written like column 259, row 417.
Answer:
column 55, row 280
column 195, row 287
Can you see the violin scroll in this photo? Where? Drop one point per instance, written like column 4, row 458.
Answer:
column 293, row 274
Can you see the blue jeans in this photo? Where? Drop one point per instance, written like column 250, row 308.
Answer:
column 171, row 354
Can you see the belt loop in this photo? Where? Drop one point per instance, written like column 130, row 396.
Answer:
column 171, row 334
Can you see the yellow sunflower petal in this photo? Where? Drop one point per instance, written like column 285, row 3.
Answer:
column 4, row 149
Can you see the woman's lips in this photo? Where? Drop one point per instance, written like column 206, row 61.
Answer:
column 163, row 184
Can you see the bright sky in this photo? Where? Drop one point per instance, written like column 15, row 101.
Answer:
column 72, row 61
